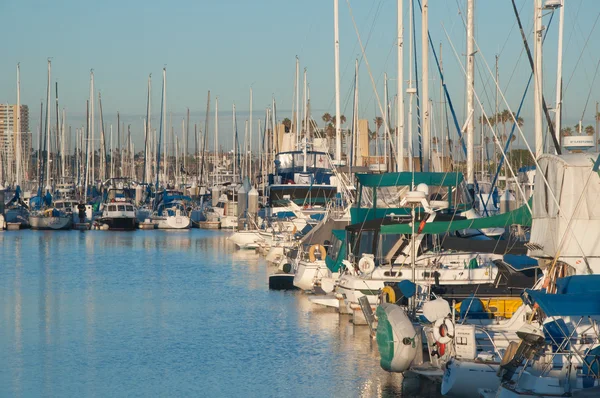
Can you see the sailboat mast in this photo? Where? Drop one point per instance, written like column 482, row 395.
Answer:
column 537, row 76
column 162, row 111
column 92, row 122
column 400, row 91
column 470, row 98
column 234, row 133
column 336, row 57
column 559, row 67
column 164, row 126
column 216, row 163
column 18, row 130
column 250, row 139
column 425, row 90
column 47, row 139
column 63, row 144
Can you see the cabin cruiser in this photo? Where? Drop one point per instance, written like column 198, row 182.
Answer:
column 118, row 211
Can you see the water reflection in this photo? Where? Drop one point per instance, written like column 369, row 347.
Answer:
column 169, row 314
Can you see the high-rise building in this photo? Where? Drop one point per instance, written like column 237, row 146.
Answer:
column 8, row 134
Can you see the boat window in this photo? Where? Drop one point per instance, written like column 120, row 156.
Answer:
column 286, row 160
column 58, row 205
column 129, row 208
column 112, row 208
column 334, row 250
column 121, row 207
column 365, row 245
column 386, row 243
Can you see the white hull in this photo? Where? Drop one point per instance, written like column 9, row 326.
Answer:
column 50, row 223
column 308, row 273
column 466, row 378
column 246, row 239
column 172, row 222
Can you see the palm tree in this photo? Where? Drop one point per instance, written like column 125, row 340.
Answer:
column 589, row 130
column 287, row 123
column 342, row 119
column 326, row 117
column 567, row 131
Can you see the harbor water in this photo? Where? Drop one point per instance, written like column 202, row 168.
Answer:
column 153, row 313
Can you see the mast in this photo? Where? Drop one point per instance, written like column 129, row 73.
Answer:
column 410, row 89
column 336, row 56
column 164, row 122
column 147, row 165
column 385, row 115
column 234, row 132
column 47, row 139
column 92, row 122
column 400, row 88
column 559, row 68
column 87, row 148
column 18, row 130
column 305, row 138
column 63, row 144
column 112, row 155
column 58, row 144
column 162, row 117
column 425, row 90
column 187, row 141
column 250, row 139
column 470, row 98
column 297, row 93
column 537, row 75
column 216, row 164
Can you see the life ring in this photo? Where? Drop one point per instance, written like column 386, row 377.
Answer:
column 366, row 264
column 443, row 330
column 441, row 349
column 388, row 292
column 311, row 252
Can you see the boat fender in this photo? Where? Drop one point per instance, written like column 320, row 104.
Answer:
column 311, row 252
column 439, row 350
column 388, row 295
column 443, row 330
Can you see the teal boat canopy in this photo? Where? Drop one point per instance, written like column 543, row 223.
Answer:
column 339, row 234
column 450, row 179
column 520, row 216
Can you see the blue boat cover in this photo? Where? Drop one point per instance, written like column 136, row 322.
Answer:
column 577, row 295
column 520, row 262
column 407, row 288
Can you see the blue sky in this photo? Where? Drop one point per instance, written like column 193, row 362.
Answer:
column 227, row 46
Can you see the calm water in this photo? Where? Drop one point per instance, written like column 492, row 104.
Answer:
column 154, row 313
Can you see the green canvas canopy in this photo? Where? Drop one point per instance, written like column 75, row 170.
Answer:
column 520, row 216
column 406, row 178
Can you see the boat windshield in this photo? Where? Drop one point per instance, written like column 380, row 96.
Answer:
column 129, row 208
column 334, row 250
column 112, row 208
column 121, row 207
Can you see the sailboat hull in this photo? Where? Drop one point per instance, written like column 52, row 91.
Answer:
column 51, row 223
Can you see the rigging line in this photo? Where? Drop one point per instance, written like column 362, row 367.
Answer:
column 387, row 130
column 543, row 177
column 582, row 51
column 356, row 43
column 497, row 141
column 590, row 90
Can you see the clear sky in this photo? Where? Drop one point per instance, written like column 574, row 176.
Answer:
column 229, row 45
